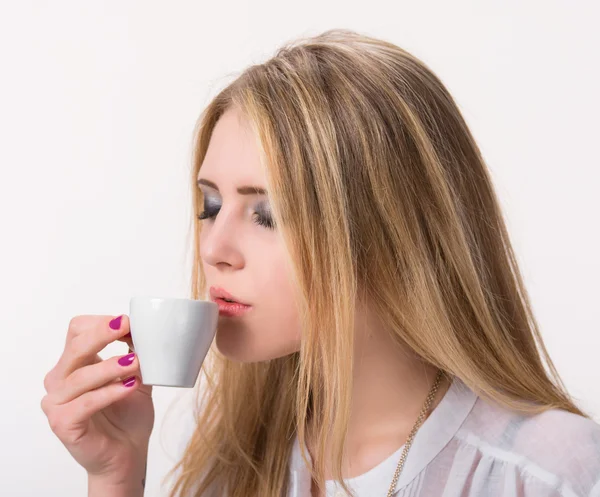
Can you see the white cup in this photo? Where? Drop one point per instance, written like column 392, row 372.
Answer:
column 171, row 337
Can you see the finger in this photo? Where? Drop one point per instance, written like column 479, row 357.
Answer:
column 88, row 335
column 53, row 380
column 95, row 376
column 81, row 409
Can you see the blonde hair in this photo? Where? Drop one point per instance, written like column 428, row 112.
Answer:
column 380, row 193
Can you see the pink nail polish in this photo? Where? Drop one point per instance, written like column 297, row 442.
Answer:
column 115, row 324
column 126, row 360
column 129, row 382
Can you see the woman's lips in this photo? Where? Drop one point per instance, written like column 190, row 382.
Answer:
column 231, row 309
column 221, row 293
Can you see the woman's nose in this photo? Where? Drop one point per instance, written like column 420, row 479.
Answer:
column 219, row 243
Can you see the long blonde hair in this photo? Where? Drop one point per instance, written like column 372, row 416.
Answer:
column 380, row 193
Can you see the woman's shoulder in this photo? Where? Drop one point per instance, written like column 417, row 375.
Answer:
column 556, row 448
column 549, row 428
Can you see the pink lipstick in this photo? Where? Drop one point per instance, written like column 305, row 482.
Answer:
column 229, row 305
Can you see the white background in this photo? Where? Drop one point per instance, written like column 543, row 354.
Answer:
column 97, row 105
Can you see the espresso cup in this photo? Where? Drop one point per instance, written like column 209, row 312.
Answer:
column 171, row 337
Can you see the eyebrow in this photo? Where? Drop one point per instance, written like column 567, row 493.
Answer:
column 242, row 190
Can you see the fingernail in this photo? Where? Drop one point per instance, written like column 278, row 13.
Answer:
column 115, row 324
column 129, row 382
column 126, row 360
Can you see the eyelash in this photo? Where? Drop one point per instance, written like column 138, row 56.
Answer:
column 260, row 220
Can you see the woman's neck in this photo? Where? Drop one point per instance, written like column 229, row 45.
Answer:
column 389, row 391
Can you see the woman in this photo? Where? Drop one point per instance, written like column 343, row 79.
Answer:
column 382, row 341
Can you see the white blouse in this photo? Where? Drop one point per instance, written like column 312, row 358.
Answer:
column 468, row 447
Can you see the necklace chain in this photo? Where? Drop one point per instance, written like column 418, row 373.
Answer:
column 413, row 432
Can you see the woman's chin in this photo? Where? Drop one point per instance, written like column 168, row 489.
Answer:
column 238, row 346
column 233, row 345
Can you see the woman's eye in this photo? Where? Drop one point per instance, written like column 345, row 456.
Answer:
column 266, row 221
column 208, row 213
column 260, row 219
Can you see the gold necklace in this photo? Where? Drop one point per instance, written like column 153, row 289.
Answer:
column 409, row 440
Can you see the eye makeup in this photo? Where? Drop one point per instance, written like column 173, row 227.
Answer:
column 262, row 215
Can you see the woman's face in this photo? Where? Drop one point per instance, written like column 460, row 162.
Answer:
column 240, row 251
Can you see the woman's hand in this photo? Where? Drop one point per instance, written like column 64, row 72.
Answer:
column 103, row 423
